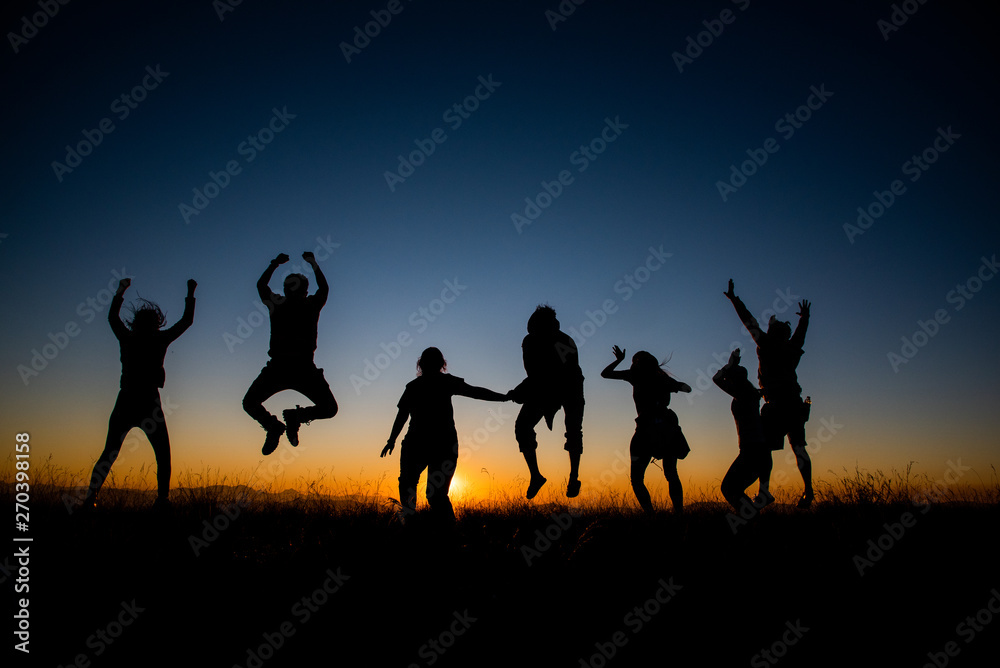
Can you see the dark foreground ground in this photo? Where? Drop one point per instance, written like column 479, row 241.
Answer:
column 298, row 585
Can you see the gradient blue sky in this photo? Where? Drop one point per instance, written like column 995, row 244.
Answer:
column 322, row 178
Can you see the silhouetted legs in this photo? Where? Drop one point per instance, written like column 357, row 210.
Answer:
column 527, row 442
column 440, row 465
column 305, row 379
column 782, row 418
column 741, row 474
column 134, row 410
column 638, row 474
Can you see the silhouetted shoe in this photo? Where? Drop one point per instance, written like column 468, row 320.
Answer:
column 573, row 489
column 271, row 441
column 535, row 485
column 805, row 501
column 162, row 505
column 762, row 500
column 292, row 424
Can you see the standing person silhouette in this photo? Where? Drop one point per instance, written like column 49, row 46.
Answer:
column 143, row 343
column 554, row 381
column 431, row 442
column 754, row 452
column 784, row 413
column 294, row 324
column 658, row 434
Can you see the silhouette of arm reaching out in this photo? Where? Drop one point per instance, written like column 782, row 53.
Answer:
column 114, row 311
column 263, row 290
column 743, row 312
column 187, row 319
column 609, row 371
column 322, row 287
column 481, row 393
column 722, row 378
column 397, row 428
column 799, row 337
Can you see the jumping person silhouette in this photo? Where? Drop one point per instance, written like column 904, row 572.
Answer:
column 143, row 343
column 784, row 412
column 294, row 323
column 754, row 452
column 431, row 442
column 658, row 434
column 554, row 381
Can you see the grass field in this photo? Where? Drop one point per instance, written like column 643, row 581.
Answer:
column 883, row 570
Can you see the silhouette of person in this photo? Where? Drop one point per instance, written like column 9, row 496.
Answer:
column 554, row 381
column 658, row 433
column 754, row 452
column 431, row 442
column 143, row 343
column 784, row 413
column 294, row 323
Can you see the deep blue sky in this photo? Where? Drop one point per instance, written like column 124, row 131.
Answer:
column 323, row 178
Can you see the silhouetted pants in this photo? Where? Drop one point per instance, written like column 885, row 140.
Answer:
column 532, row 412
column 784, row 416
column 741, row 474
column 142, row 409
column 440, row 461
column 304, row 378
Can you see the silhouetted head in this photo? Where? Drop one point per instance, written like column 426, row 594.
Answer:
column 740, row 373
column 146, row 317
column 779, row 329
column 431, row 361
column 643, row 362
column 296, row 286
column 543, row 320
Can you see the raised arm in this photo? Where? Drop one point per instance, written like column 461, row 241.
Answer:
column 263, row 290
column 609, row 371
column 743, row 312
column 397, row 428
column 799, row 337
column 322, row 287
column 187, row 318
column 722, row 377
column 114, row 312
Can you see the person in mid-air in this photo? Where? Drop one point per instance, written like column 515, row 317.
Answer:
column 294, row 324
column 554, row 381
column 143, row 343
column 431, row 442
column 658, row 433
column 784, row 413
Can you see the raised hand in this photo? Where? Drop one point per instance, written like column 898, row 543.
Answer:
column 731, row 290
column 803, row 309
column 192, row 284
column 309, row 257
column 734, row 357
column 281, row 259
column 124, row 284
column 618, row 353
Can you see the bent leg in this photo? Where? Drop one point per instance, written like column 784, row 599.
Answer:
column 741, row 474
column 314, row 386
column 637, row 474
column 527, row 442
column 573, row 414
column 263, row 387
column 674, row 486
column 119, row 424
